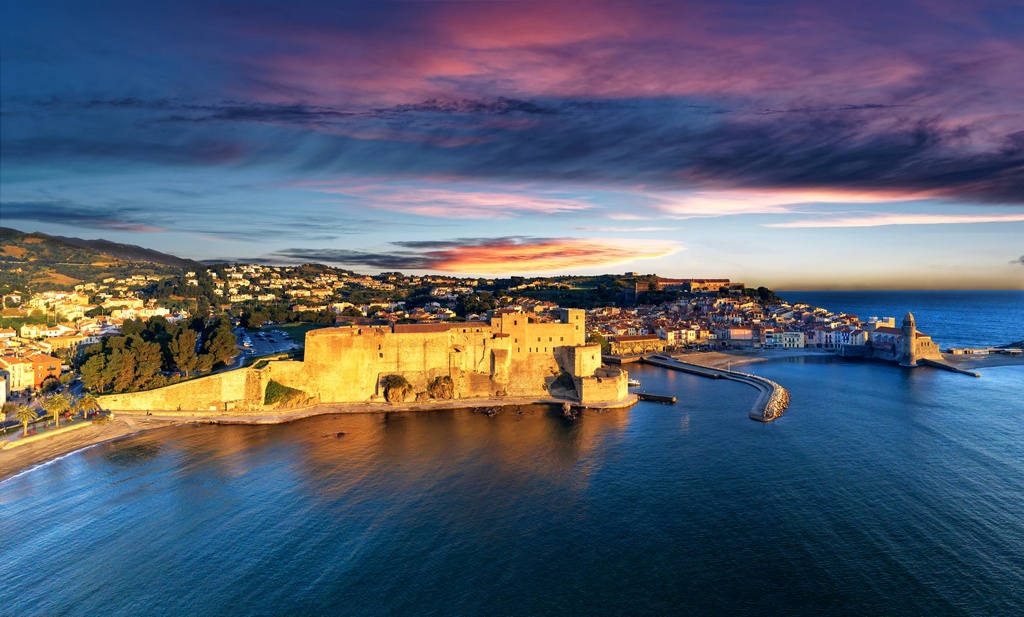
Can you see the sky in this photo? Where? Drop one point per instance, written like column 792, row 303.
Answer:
column 796, row 145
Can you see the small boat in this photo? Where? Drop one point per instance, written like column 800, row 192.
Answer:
column 634, row 383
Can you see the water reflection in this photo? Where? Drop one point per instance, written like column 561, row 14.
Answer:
column 654, row 509
column 519, row 445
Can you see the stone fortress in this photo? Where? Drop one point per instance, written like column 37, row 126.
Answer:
column 515, row 355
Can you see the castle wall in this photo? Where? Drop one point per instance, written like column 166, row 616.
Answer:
column 359, row 358
column 586, row 359
column 608, row 384
column 512, row 355
column 241, row 389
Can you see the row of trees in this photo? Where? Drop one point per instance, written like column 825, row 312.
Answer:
column 155, row 353
column 56, row 405
column 258, row 315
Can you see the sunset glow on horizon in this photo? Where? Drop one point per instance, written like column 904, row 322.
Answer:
column 791, row 144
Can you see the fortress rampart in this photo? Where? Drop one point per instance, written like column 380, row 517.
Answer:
column 513, row 355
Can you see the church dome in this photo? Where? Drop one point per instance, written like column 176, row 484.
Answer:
column 908, row 319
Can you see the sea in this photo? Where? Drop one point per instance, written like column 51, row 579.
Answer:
column 952, row 318
column 881, row 491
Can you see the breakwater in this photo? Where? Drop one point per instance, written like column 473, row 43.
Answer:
column 947, row 367
column 771, row 403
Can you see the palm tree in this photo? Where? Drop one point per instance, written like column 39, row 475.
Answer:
column 86, row 403
column 56, row 405
column 24, row 414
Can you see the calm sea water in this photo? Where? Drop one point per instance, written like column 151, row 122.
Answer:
column 952, row 318
column 882, row 491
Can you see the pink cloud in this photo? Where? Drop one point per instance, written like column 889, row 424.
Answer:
column 449, row 203
column 802, row 53
column 879, row 220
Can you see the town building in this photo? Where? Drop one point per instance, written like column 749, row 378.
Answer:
column 18, row 373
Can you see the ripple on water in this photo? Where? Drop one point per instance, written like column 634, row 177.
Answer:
column 879, row 492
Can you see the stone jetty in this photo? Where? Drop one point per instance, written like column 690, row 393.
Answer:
column 770, row 404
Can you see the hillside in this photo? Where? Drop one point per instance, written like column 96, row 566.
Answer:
column 35, row 262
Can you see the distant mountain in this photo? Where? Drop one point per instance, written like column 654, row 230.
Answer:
column 37, row 262
column 131, row 252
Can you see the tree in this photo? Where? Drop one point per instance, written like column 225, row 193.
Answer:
column 85, row 403
column 56, row 405
column 220, row 340
column 121, row 370
column 253, row 319
column 49, row 384
column 183, row 350
column 204, row 363
column 132, row 327
column 9, row 408
column 93, row 372
column 24, row 414
column 148, row 359
column 600, row 340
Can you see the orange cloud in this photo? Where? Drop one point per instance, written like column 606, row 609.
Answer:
column 510, row 255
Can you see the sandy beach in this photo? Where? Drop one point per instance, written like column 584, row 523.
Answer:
column 18, row 459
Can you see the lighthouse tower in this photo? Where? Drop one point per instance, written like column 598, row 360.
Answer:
column 908, row 348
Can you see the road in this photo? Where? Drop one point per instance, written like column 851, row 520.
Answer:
column 261, row 343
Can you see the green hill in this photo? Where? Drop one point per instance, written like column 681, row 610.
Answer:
column 35, row 262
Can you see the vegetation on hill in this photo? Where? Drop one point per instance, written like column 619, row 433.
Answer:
column 36, row 262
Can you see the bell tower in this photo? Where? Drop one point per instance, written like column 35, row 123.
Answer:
column 908, row 349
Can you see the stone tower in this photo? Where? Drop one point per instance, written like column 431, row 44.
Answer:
column 908, row 350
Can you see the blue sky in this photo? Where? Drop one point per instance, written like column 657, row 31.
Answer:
column 789, row 144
